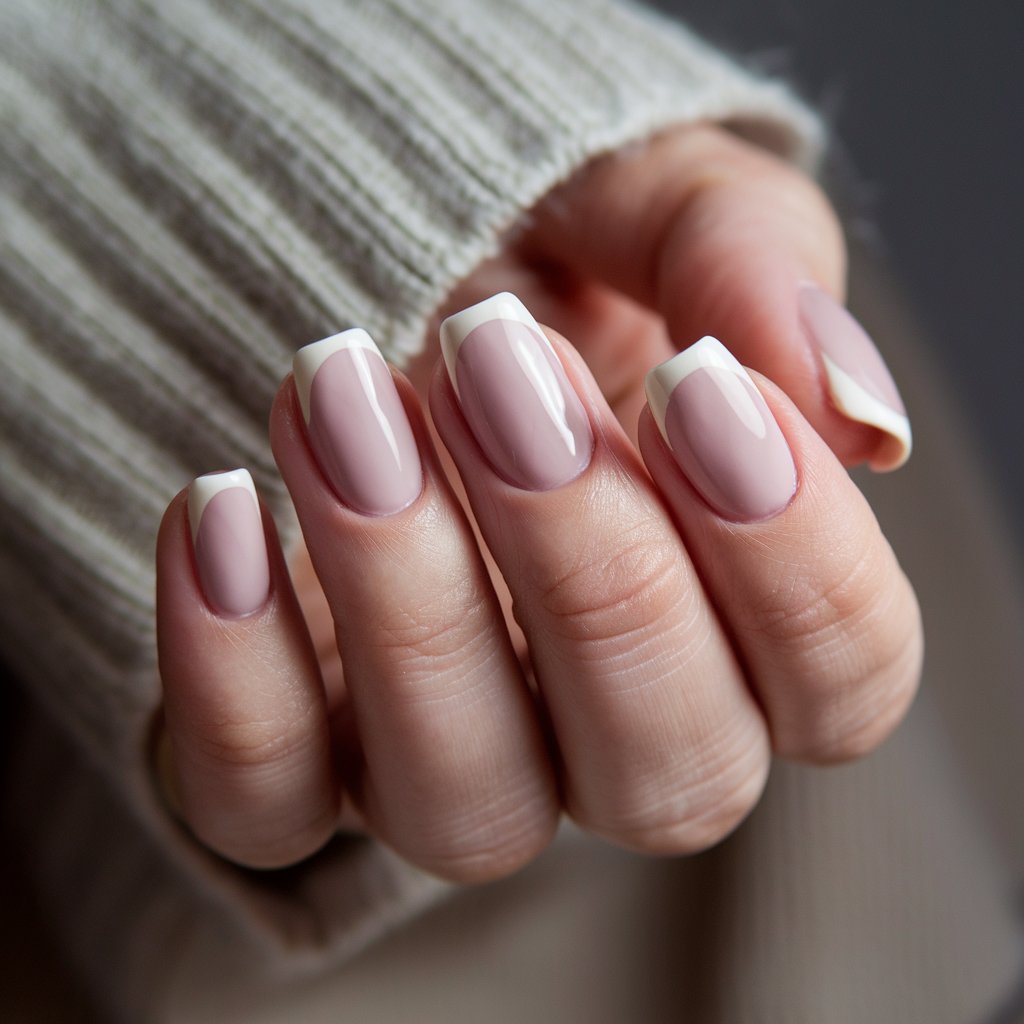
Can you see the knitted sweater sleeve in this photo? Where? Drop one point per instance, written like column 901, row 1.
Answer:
column 192, row 189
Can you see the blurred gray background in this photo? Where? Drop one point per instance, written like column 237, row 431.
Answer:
column 927, row 102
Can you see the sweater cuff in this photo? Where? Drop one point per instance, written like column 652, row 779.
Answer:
column 347, row 163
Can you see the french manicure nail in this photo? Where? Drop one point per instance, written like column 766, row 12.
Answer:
column 227, row 537
column 515, row 394
column 356, row 423
column 721, row 432
column 859, row 382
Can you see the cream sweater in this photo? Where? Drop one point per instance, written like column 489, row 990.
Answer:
column 191, row 190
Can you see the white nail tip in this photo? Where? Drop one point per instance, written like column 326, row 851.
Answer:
column 205, row 488
column 854, row 402
column 457, row 327
column 311, row 357
column 666, row 377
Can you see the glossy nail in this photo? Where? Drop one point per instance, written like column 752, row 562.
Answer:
column 515, row 394
column 859, row 382
column 230, row 549
column 721, row 432
column 357, row 425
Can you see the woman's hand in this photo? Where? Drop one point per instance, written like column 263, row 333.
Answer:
column 682, row 608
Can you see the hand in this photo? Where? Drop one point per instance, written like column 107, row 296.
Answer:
column 683, row 613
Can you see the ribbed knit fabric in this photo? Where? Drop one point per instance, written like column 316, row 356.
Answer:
column 191, row 190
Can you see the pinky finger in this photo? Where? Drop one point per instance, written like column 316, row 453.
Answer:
column 244, row 705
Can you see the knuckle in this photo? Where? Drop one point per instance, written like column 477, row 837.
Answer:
column 255, row 790
column 601, row 598
column 853, row 654
column 721, row 167
column 436, row 627
column 440, row 651
column 252, row 743
column 814, row 611
column 721, row 162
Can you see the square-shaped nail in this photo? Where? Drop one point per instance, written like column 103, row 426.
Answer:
column 357, row 424
column 721, row 432
column 227, row 537
column 515, row 394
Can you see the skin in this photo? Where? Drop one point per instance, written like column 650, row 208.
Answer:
column 671, row 652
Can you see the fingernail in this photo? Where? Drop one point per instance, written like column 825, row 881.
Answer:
column 859, row 382
column 515, row 394
column 721, row 432
column 227, row 537
column 357, row 424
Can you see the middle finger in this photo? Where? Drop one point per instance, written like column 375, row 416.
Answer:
column 663, row 747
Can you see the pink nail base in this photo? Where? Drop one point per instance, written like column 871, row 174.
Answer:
column 357, row 425
column 361, row 435
column 230, row 548
column 516, row 396
column 722, row 434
